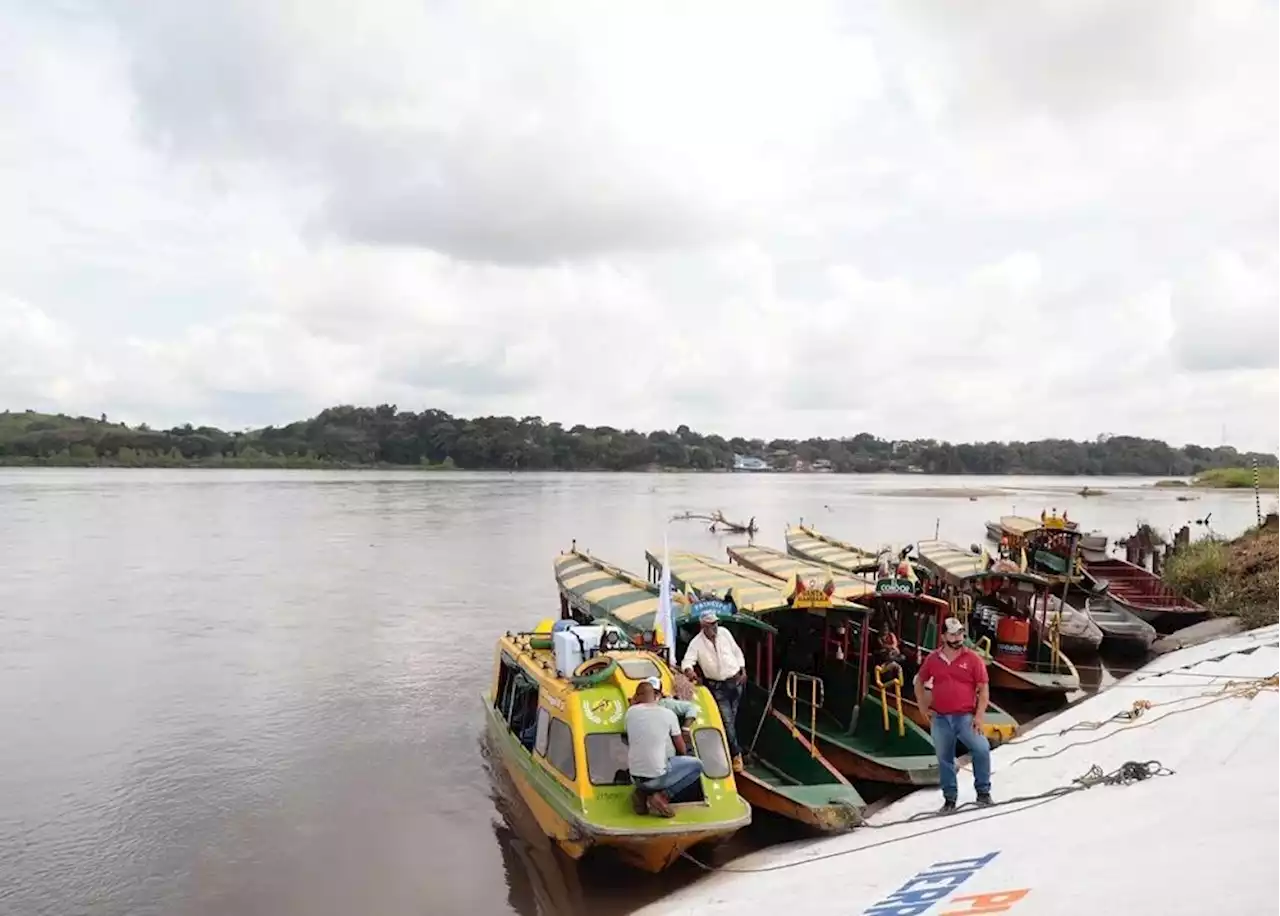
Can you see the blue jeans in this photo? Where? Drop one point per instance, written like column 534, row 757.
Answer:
column 681, row 773
column 728, row 696
column 946, row 731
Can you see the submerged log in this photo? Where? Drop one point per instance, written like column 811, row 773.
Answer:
column 719, row 522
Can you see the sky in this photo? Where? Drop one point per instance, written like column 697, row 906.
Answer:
column 988, row 220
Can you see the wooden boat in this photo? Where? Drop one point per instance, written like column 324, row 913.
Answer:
column 1005, row 610
column 807, row 543
column 783, row 772
column 1050, row 545
column 913, row 617
column 856, row 724
column 1142, row 593
column 1121, row 628
column 560, row 738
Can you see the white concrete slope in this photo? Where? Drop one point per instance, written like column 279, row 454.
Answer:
column 1194, row 842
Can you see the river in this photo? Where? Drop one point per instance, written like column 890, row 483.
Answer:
column 257, row 692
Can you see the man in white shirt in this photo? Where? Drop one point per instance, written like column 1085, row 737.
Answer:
column 723, row 671
column 653, row 741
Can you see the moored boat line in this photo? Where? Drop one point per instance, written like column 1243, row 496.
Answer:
column 783, row 772
column 913, row 617
column 858, row 725
column 821, row 709
column 1064, row 796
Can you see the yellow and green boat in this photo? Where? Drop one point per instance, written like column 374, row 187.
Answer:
column 560, row 738
column 784, row 772
column 820, row 649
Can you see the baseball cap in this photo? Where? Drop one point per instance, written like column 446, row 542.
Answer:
column 953, row 626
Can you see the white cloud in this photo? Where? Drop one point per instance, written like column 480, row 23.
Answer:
column 1057, row 218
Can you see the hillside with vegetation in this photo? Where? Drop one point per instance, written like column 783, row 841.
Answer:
column 384, row 436
column 1237, row 578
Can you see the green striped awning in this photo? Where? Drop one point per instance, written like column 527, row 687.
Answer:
column 782, row 566
column 807, row 544
column 952, row 562
column 601, row 590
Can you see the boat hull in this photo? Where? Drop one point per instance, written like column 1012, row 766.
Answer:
column 833, row 817
column 1140, row 592
column 1034, row 682
column 900, row 771
column 650, row 850
column 1121, row 629
column 998, row 728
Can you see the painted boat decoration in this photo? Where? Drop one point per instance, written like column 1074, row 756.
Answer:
column 1007, row 614
column 807, row 543
column 783, row 772
column 560, row 738
column 898, row 606
column 1141, row 592
column 858, row 725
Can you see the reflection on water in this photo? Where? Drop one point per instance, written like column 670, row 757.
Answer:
column 257, row 692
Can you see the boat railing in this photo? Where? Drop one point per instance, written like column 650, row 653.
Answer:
column 983, row 645
column 817, row 693
column 884, row 687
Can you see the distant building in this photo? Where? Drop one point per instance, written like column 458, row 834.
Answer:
column 748, row 463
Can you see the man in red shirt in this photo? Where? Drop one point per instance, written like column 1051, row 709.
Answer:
column 956, row 701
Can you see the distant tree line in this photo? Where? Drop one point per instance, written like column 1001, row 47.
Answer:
column 385, row 436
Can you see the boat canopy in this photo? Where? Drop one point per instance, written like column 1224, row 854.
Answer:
column 804, row 541
column 599, row 589
column 954, row 565
column 752, row 592
column 781, row 565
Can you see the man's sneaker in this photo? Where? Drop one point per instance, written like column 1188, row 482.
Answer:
column 948, row 806
column 984, row 800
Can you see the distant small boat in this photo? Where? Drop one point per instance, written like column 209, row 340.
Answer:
column 1140, row 591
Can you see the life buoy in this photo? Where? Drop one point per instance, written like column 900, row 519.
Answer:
column 594, row 671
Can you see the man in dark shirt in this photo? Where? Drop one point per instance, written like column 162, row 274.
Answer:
column 956, row 698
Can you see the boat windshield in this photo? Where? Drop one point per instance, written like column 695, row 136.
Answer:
column 607, row 760
column 637, row 669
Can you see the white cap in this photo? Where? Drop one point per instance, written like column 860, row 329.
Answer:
column 953, row 626
column 655, row 683
column 707, row 617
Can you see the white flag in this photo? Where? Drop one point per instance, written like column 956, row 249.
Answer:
column 666, row 621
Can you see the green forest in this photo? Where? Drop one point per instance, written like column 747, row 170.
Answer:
column 385, row 436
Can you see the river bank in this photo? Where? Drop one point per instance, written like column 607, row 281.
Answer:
column 1239, row 577
column 1226, row 479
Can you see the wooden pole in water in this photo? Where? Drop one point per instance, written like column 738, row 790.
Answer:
column 1257, row 496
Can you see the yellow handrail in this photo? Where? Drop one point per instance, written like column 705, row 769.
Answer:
column 817, row 694
column 983, row 645
column 896, row 684
column 1055, row 641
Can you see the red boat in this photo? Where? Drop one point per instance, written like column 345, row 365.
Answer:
column 1143, row 593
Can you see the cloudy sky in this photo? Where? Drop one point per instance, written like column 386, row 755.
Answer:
column 1049, row 218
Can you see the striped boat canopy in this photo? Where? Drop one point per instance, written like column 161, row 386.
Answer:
column 807, row 544
column 953, row 564
column 782, row 565
column 753, row 592
column 1019, row 525
column 602, row 590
